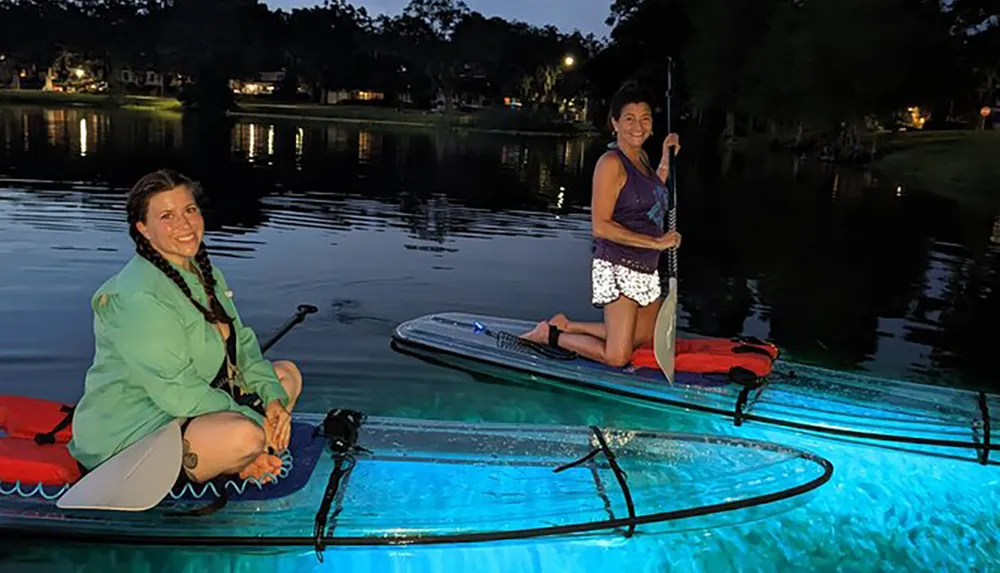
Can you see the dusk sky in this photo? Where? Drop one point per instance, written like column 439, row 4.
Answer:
column 586, row 15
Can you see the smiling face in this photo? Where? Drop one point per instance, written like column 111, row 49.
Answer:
column 173, row 225
column 635, row 124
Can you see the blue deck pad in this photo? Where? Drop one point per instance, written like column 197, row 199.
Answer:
column 304, row 451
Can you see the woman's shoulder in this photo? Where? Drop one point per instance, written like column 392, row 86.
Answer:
column 610, row 170
column 610, row 162
column 140, row 275
column 137, row 279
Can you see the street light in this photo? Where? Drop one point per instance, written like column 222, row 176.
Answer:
column 568, row 61
column 79, row 73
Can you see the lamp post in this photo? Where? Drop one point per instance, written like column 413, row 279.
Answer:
column 568, row 63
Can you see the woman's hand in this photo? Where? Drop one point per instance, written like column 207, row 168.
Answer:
column 663, row 169
column 278, row 426
column 668, row 241
column 671, row 140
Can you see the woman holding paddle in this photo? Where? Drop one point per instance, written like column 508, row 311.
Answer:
column 170, row 345
column 628, row 205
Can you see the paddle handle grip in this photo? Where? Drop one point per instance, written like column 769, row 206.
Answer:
column 300, row 315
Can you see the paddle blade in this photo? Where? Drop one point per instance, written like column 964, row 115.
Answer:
column 135, row 479
column 665, row 333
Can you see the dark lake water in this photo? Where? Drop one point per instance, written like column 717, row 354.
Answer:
column 376, row 226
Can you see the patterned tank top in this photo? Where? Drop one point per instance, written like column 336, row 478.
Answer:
column 641, row 206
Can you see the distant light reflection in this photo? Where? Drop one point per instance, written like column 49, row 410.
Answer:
column 83, row 137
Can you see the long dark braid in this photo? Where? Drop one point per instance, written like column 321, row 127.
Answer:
column 208, row 280
column 137, row 205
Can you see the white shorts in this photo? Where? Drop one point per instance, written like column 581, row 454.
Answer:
column 609, row 281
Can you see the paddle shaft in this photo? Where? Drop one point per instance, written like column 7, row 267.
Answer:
column 300, row 315
column 671, row 181
column 665, row 330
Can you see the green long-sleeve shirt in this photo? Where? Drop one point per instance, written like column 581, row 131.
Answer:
column 155, row 358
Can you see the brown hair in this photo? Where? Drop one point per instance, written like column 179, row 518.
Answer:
column 630, row 92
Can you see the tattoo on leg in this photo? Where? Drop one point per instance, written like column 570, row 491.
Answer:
column 190, row 458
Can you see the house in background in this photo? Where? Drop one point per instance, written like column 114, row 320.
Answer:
column 264, row 83
column 334, row 97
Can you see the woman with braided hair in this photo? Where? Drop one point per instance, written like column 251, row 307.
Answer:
column 170, row 344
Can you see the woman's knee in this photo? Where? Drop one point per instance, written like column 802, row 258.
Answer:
column 221, row 442
column 617, row 357
column 290, row 377
column 642, row 339
column 248, row 440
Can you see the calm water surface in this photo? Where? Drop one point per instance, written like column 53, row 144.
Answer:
column 377, row 226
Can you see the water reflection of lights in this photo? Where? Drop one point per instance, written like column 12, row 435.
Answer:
column 510, row 154
column 571, row 154
column 83, row 137
column 336, row 138
column 251, row 151
column 544, row 176
column 54, row 119
column 255, row 140
column 364, row 145
column 299, row 143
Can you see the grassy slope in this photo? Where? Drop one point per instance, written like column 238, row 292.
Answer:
column 959, row 164
column 37, row 97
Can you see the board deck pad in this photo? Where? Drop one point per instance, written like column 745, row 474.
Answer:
column 304, row 450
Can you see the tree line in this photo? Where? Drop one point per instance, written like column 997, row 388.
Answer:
column 432, row 47
column 784, row 66
column 840, row 68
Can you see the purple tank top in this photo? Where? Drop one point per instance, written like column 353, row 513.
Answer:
column 640, row 208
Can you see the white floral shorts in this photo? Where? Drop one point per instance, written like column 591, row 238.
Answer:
column 609, row 281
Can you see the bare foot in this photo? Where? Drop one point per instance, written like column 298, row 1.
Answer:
column 560, row 321
column 539, row 334
column 263, row 469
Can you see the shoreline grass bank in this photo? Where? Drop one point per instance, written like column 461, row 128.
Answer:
column 498, row 121
column 962, row 165
column 100, row 101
